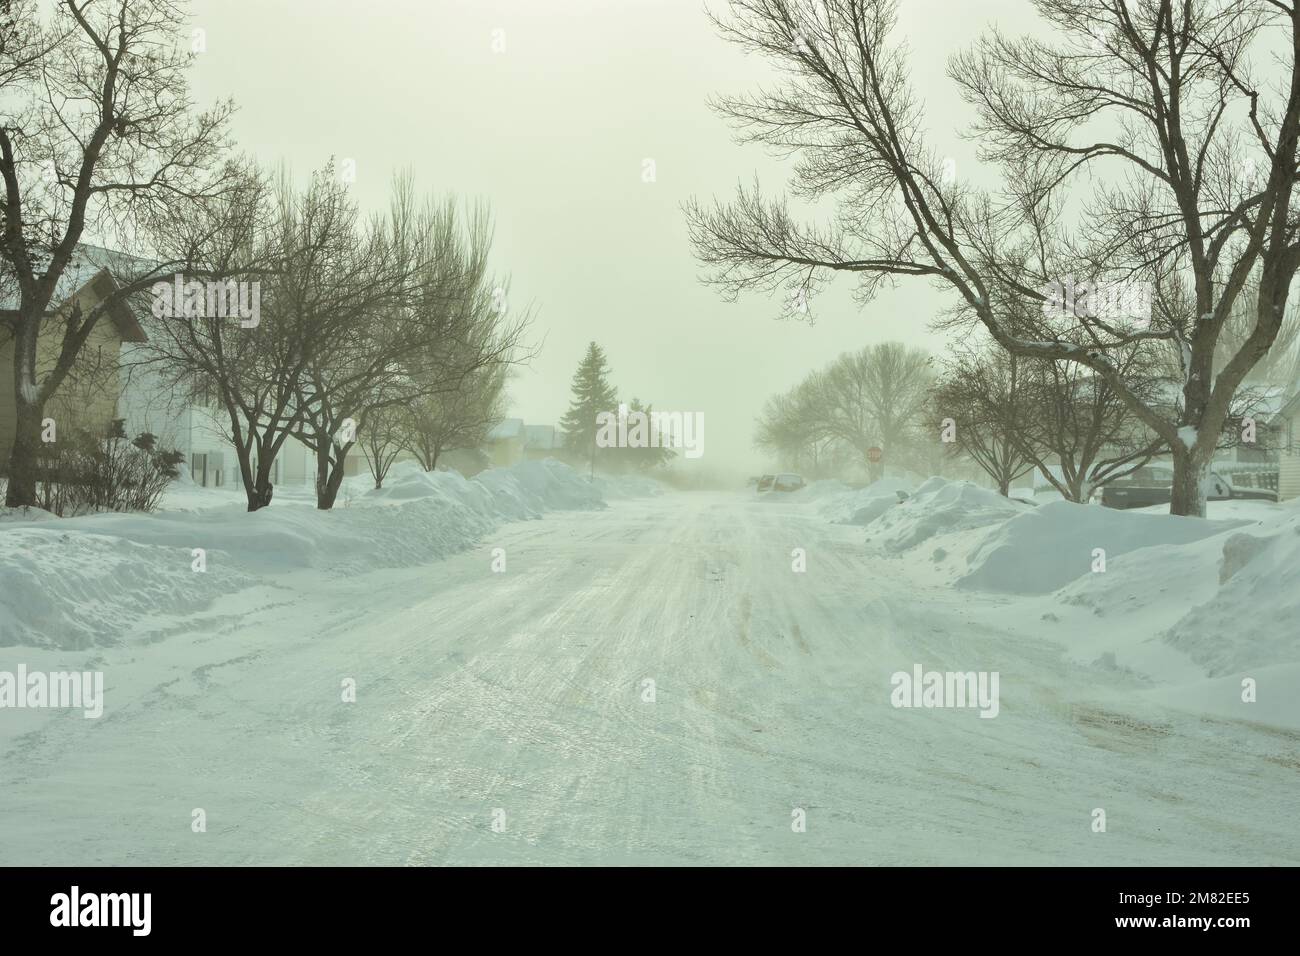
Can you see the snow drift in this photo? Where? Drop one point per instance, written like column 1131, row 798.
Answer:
column 91, row 580
column 939, row 506
column 865, row 505
column 1250, row 621
column 1045, row 548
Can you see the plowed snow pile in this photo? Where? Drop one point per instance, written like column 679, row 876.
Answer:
column 865, row 505
column 1196, row 618
column 1251, row 620
column 91, row 580
column 1047, row 547
column 939, row 506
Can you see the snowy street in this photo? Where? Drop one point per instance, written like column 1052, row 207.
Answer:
column 505, row 717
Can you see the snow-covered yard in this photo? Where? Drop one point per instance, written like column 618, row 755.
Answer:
column 666, row 677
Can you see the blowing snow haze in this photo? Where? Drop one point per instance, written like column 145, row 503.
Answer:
column 761, row 432
column 555, row 130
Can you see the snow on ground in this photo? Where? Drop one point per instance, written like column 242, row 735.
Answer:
column 615, row 487
column 1181, row 602
column 1250, row 620
column 97, row 579
column 653, row 682
column 822, row 488
column 939, row 506
column 1062, row 538
column 864, row 505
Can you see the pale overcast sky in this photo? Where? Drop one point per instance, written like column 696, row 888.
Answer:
column 553, row 132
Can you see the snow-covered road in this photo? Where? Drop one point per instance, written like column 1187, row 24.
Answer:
column 505, row 718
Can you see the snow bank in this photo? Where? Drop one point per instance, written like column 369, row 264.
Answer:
column 1045, row 548
column 1180, row 613
column 89, row 580
column 864, row 505
column 939, row 506
column 1250, row 620
column 74, row 590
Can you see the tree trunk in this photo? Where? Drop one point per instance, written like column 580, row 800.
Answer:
column 262, row 485
column 329, row 477
column 256, row 485
column 249, row 479
column 1004, row 486
column 23, row 456
column 1187, row 497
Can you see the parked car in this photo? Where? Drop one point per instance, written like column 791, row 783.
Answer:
column 1153, row 484
column 788, row 481
column 765, row 482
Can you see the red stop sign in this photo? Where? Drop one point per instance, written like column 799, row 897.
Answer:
column 874, row 455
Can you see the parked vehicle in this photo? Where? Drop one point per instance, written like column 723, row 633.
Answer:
column 765, row 482
column 788, row 481
column 1153, row 485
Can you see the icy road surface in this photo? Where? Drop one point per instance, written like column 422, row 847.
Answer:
column 519, row 699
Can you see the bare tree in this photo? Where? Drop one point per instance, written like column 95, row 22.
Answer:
column 382, row 441
column 98, row 134
column 1280, row 367
column 251, row 373
column 790, row 428
column 1081, row 435
column 428, row 319
column 876, row 397
column 456, row 417
column 983, row 402
column 1194, row 164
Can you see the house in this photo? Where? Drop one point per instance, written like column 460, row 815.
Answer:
column 88, row 397
column 107, row 382
column 542, row 441
column 511, row 441
column 505, row 443
column 1287, row 436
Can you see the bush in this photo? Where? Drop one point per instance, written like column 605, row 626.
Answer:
column 87, row 472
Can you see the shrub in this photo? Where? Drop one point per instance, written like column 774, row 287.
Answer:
column 87, row 472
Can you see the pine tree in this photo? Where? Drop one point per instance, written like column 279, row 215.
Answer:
column 592, row 394
column 648, row 456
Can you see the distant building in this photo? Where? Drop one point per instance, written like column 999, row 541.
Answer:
column 505, row 443
column 511, row 442
column 542, row 441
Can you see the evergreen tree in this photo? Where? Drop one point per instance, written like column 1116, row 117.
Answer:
column 592, row 394
column 649, row 456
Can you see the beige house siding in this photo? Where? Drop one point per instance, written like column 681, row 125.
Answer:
column 88, row 396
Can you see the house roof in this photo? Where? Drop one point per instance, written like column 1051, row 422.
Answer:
column 99, row 269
